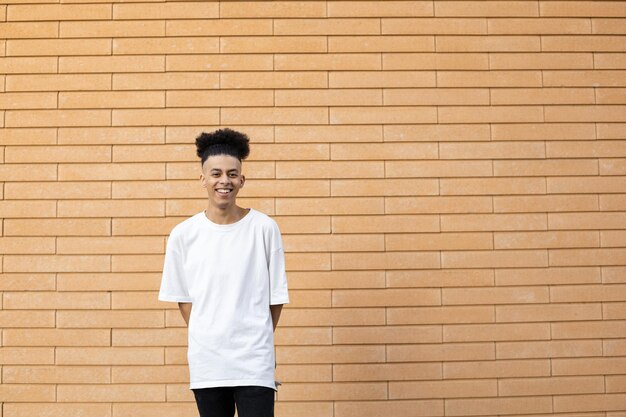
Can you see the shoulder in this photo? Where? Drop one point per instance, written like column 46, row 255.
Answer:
column 184, row 226
column 263, row 219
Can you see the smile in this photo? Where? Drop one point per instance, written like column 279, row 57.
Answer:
column 223, row 191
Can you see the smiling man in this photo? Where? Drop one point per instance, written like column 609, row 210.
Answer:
column 225, row 267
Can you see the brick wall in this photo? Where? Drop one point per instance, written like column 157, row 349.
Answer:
column 449, row 177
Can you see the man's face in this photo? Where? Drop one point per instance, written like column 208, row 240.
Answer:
column 221, row 175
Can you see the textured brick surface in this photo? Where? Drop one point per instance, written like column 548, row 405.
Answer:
column 449, row 177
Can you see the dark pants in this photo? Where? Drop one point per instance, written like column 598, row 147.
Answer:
column 251, row 401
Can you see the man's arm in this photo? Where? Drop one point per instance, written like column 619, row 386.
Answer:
column 185, row 310
column 275, row 310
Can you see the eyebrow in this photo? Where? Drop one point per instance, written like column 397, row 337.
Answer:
column 230, row 170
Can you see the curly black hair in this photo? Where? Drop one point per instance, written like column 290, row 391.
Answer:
column 222, row 142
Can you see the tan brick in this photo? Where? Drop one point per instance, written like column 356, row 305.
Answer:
column 611, row 130
column 381, row 43
column 440, row 278
column 489, row 114
column 435, row 61
column 116, row 64
column 583, row 78
column 57, row 190
column 389, row 407
column 551, row 386
column 30, row 154
column 164, row 117
column 424, row 97
column 37, row 12
column 326, row 62
column 436, row 205
column 109, row 355
column 614, row 311
column 58, row 82
column 27, row 393
column 529, row 240
column 613, row 238
column 588, row 366
column 220, row 98
column 178, row 10
column 443, row 389
column 495, row 332
column 597, row 148
column 24, row 172
column 379, row 8
column 555, row 276
column 382, row 115
column 385, row 297
column 615, row 384
column 378, row 372
column 438, row 241
column 391, row 334
column 334, row 317
column 148, row 409
column 586, row 184
column 583, row 257
column 108, row 29
column 22, row 319
column 55, row 337
column 543, row 26
column 27, row 355
column 56, row 409
column 30, row 30
column 28, row 101
column 547, row 203
column 252, row 80
column 544, row 131
column 334, row 391
column 494, row 259
column 489, row 79
column 437, row 132
column 495, row 295
column 582, row 43
column 336, row 279
column 109, row 319
column 612, row 202
column 56, row 374
column 608, row 26
column 111, row 393
column 548, row 349
column 45, row 300
column 486, row 8
column 140, row 226
column 108, row 282
column 541, row 60
column 436, row 26
column 581, row 8
column 149, row 374
column 152, row 46
column 304, row 373
column 330, row 354
column 58, row 47
column 326, row 26
column 329, row 133
column 109, row 208
column 611, row 95
column 491, row 150
column 219, row 27
column 542, row 96
column 55, row 263
column 486, row 406
column 381, row 79
column 545, row 167
column 613, row 275
column 335, row 205
column 303, row 224
column 22, row 282
column 303, row 336
column 587, row 293
column 496, row 369
column 149, row 337
column 590, row 221
column 437, row 169
column 590, row 402
column 609, row 60
column 549, row 312
column 330, row 169
column 273, row 44
column 138, row 300
column 107, row 100
column 273, row 9
column 166, row 81
column 441, row 352
column 222, row 62
column 614, row 347
column 28, row 65
column 334, row 243
column 274, row 115
column 52, row 118
column 492, row 186
column 386, row 260
column 491, row 43
column 386, row 187
column 605, row 113
column 328, row 97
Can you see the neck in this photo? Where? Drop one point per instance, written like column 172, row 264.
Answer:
column 226, row 215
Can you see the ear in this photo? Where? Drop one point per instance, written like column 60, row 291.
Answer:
column 243, row 180
column 203, row 180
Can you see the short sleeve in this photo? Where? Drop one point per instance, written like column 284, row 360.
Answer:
column 173, row 282
column 278, row 277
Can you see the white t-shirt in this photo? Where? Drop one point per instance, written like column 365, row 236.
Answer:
column 231, row 273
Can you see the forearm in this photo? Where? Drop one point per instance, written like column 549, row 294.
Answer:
column 275, row 310
column 185, row 310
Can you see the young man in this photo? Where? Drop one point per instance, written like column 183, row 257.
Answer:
column 225, row 267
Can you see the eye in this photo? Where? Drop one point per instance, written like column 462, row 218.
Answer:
column 233, row 174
